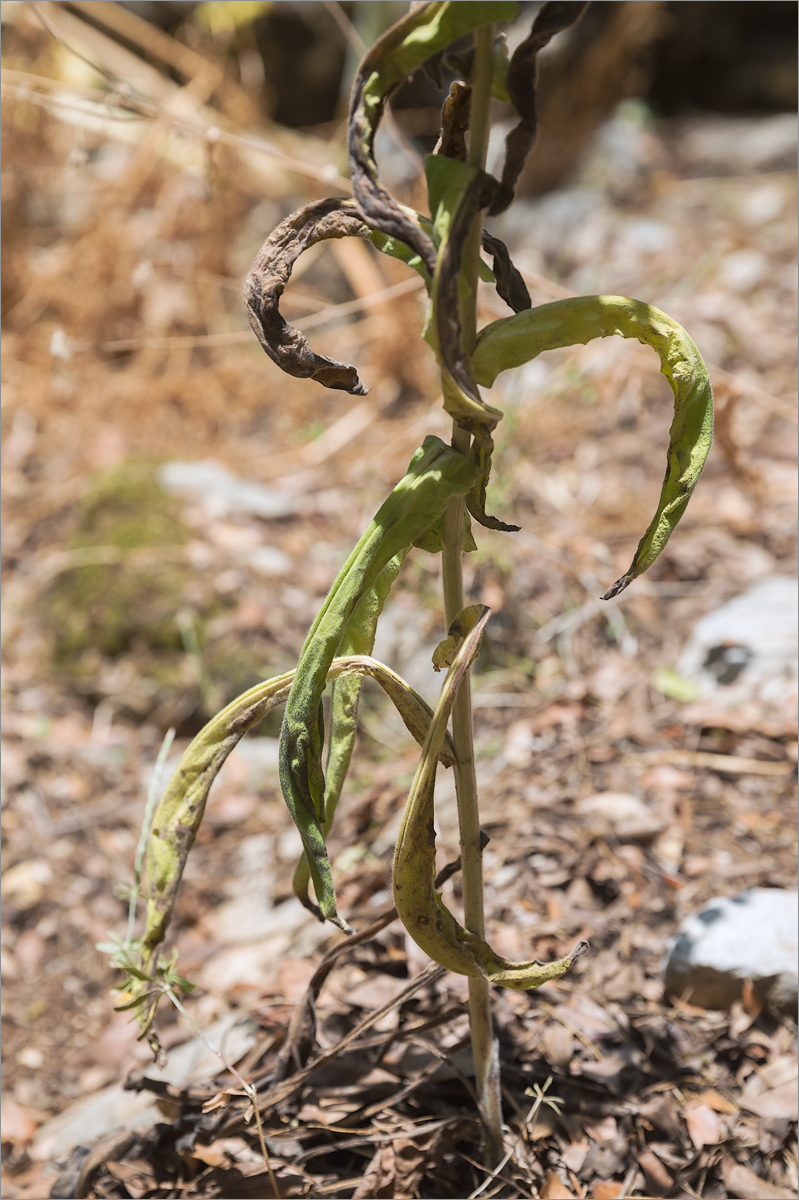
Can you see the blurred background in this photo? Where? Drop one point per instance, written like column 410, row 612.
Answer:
column 175, row 509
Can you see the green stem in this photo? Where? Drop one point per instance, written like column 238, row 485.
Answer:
column 483, row 1045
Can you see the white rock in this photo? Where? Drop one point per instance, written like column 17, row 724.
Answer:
column 747, row 649
column 221, row 493
column 752, row 936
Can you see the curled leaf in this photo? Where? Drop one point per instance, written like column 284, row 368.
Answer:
column 551, row 18
column 182, row 806
column 358, row 639
column 286, row 346
column 518, row 339
column 416, row 38
column 420, row 907
column 436, row 474
column 508, row 280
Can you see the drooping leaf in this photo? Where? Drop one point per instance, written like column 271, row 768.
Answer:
column 553, row 17
column 420, row 907
column 181, row 808
column 436, row 474
column 416, row 38
column 518, row 339
column 358, row 639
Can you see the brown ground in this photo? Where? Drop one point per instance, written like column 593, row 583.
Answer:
column 125, row 243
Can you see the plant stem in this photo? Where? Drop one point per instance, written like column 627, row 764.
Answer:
column 483, row 1047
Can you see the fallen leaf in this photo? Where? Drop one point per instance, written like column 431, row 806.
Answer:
column 703, row 1125
column 558, row 1044
column 554, row 1188
column 780, row 1102
column 17, row 1123
column 607, row 1189
column 718, row 1103
column 745, row 1185
column 657, row 1177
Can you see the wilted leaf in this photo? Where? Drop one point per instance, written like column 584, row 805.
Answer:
column 286, row 346
column 436, row 474
column 417, row 37
column 551, row 18
column 515, row 340
column 419, row 906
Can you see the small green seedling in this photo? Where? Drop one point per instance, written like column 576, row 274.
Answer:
column 431, row 508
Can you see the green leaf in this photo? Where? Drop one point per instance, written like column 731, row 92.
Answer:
column 181, row 808
column 358, row 639
column 420, row 907
column 518, row 339
column 457, row 191
column 436, row 474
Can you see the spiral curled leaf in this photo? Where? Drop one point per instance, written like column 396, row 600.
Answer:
column 515, row 340
column 286, row 346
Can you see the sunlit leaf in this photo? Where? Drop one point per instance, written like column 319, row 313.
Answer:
column 420, row 907
column 436, row 474
column 515, row 340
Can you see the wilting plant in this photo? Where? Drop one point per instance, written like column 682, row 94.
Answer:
column 433, row 505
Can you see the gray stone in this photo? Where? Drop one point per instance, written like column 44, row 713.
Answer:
column 753, row 936
column 221, row 493
column 746, row 650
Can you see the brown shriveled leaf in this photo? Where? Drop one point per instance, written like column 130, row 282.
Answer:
column 455, row 121
column 551, row 18
column 286, row 346
column 554, row 1188
column 509, row 283
column 379, row 1181
column 418, row 37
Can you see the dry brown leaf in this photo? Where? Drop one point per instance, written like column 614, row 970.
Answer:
column 703, row 1125
column 718, row 1103
column 17, row 1123
column 554, row 1188
column 558, row 1044
column 780, row 1102
column 378, row 1181
column 606, row 1189
column 657, row 1177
